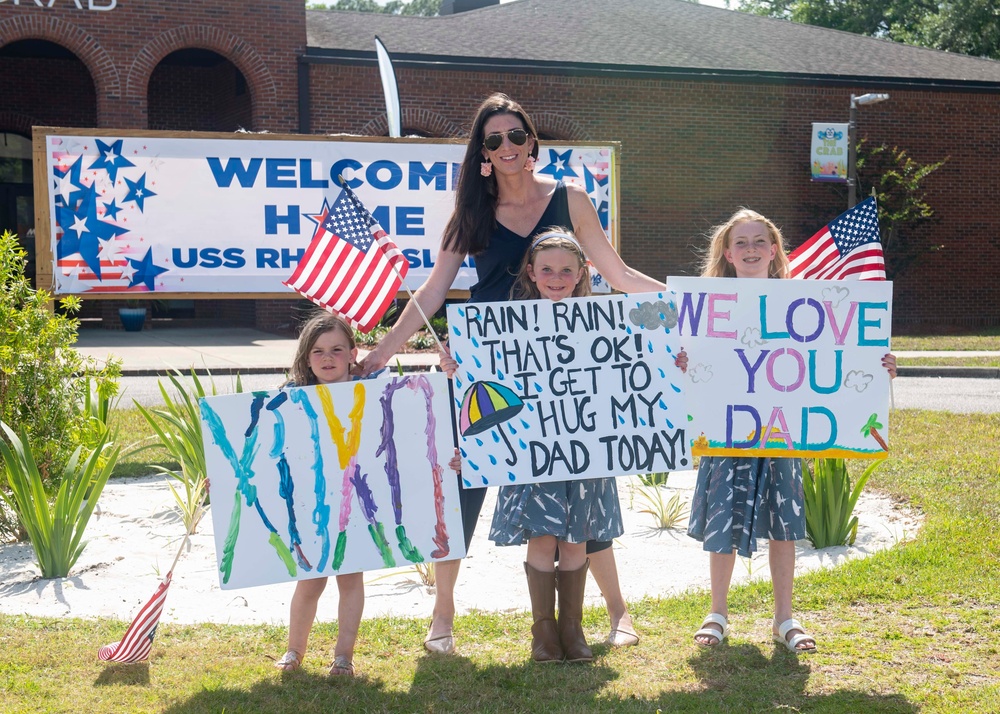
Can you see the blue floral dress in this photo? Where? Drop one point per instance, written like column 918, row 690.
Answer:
column 572, row 511
column 738, row 500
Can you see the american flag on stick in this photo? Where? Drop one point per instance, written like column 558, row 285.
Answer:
column 138, row 639
column 848, row 248
column 351, row 267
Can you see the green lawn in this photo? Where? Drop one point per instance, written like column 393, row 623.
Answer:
column 912, row 629
column 983, row 338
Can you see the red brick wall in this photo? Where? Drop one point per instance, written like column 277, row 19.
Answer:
column 123, row 46
column 198, row 99
column 74, row 104
column 693, row 152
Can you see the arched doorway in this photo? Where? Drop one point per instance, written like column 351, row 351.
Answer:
column 48, row 83
column 17, row 205
column 194, row 89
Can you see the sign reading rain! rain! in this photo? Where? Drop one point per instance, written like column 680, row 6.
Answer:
column 307, row 481
column 580, row 388
column 786, row 367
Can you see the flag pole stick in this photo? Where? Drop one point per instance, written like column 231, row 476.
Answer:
column 357, row 202
column 186, row 538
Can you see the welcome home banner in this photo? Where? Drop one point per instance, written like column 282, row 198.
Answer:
column 580, row 388
column 331, row 479
column 201, row 213
column 786, row 367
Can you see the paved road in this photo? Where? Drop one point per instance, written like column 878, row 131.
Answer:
column 949, row 394
column 937, row 393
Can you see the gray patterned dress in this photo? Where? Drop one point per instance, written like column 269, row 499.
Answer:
column 572, row 511
column 738, row 500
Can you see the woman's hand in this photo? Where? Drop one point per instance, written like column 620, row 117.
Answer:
column 448, row 364
column 370, row 363
column 456, row 463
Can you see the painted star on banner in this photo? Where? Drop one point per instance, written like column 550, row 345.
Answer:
column 67, row 185
column 109, row 251
column 111, row 210
column 318, row 218
column 138, row 193
column 558, row 165
column 68, row 282
column 128, row 271
column 598, row 190
column 83, row 231
column 145, row 270
column 110, row 158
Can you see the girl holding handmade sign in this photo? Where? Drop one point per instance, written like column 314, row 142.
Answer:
column 325, row 353
column 563, row 514
column 501, row 205
column 738, row 500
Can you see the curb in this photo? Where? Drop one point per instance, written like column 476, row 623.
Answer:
column 234, row 371
column 972, row 372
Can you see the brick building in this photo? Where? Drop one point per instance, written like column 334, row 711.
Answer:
column 713, row 109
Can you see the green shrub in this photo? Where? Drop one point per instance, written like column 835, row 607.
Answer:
column 44, row 383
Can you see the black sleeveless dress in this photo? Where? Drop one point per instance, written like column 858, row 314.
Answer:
column 496, row 268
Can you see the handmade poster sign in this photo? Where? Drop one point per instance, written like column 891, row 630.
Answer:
column 307, row 481
column 580, row 388
column 786, row 367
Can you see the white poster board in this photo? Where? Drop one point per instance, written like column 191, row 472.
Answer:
column 797, row 360
column 580, row 388
column 200, row 213
column 308, row 482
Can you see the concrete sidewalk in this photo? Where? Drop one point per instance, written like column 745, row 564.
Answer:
column 244, row 350
column 221, row 351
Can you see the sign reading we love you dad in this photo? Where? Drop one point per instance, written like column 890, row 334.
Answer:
column 786, row 367
column 580, row 388
column 307, row 481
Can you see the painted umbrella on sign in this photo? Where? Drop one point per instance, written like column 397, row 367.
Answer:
column 488, row 404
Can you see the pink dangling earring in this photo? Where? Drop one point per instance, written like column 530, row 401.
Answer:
column 486, row 168
column 529, row 165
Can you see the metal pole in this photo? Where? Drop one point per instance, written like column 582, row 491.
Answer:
column 852, row 170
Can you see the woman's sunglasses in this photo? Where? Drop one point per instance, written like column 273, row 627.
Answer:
column 494, row 141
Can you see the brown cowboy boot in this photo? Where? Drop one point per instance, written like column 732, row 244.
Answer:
column 571, row 585
column 544, row 635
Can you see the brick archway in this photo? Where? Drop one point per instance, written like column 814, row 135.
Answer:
column 16, row 123
column 558, row 125
column 84, row 45
column 432, row 123
column 263, row 92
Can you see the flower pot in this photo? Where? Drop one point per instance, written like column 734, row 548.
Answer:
column 132, row 318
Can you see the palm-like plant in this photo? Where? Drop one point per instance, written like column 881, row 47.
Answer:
column 55, row 529
column 178, row 428
column 830, row 501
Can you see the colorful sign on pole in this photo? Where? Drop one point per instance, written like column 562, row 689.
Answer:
column 829, row 152
column 786, row 367
column 579, row 388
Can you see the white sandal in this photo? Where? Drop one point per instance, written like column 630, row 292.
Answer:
column 713, row 618
column 792, row 645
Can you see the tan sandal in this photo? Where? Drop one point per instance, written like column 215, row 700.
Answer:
column 289, row 662
column 342, row 667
